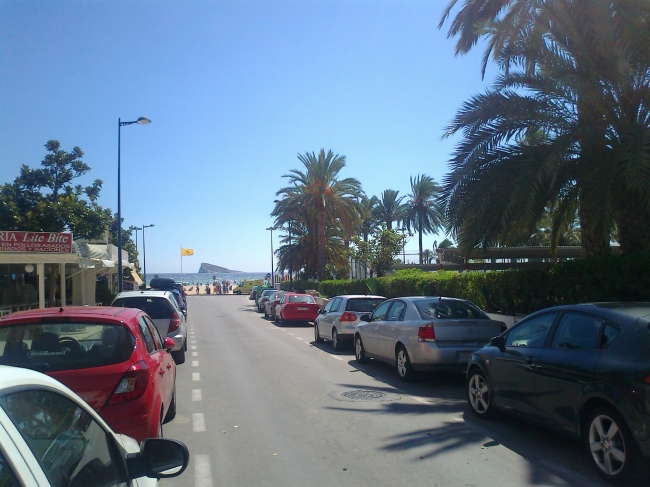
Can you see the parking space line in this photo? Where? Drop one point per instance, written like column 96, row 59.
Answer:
column 193, row 347
column 336, row 357
column 196, row 376
column 420, row 399
column 197, row 395
column 195, row 363
column 195, row 354
column 292, row 334
column 198, row 422
column 202, row 471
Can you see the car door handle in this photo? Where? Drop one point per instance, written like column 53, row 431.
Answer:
column 169, row 366
column 162, row 372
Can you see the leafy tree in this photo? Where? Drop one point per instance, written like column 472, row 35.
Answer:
column 422, row 214
column 446, row 244
column 324, row 205
column 566, row 126
column 379, row 252
column 389, row 208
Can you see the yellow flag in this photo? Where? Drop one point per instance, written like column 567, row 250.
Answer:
column 187, row 251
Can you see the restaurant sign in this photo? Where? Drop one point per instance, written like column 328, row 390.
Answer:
column 36, row 242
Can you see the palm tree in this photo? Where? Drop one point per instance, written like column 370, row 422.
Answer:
column 562, row 128
column 389, row 208
column 369, row 221
column 422, row 213
column 324, row 204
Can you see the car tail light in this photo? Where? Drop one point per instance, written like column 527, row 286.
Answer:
column 348, row 316
column 174, row 323
column 132, row 385
column 426, row 333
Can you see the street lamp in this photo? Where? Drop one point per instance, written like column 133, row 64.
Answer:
column 272, row 259
column 144, row 254
column 290, row 260
column 136, row 237
column 139, row 121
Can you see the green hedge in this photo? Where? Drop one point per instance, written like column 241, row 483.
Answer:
column 621, row 278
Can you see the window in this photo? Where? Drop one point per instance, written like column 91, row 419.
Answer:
column 145, row 333
column 56, row 346
column 610, row 333
column 363, row 305
column 301, row 298
column 380, row 313
column 336, row 304
column 396, row 311
column 328, row 306
column 448, row 309
column 531, row 332
column 71, row 447
column 577, row 331
column 157, row 308
column 155, row 333
column 7, row 477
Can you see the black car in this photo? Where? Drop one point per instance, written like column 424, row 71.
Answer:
column 583, row 369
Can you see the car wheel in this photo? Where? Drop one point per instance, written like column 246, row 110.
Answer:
column 478, row 394
column 359, row 351
column 171, row 411
column 317, row 337
column 403, row 362
column 611, row 446
column 179, row 356
column 336, row 344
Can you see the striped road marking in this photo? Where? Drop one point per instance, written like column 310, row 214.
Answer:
column 202, row 471
column 198, row 422
column 196, row 395
column 196, row 376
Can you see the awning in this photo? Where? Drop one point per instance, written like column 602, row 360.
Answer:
column 108, row 263
column 136, row 277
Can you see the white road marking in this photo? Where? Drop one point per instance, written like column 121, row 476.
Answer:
column 196, row 376
column 202, row 471
column 195, row 363
column 292, row 334
column 196, row 395
column 195, row 354
column 420, row 399
column 193, row 347
column 300, row 338
column 336, row 357
column 192, row 341
column 198, row 422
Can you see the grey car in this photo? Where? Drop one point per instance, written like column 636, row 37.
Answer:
column 337, row 321
column 162, row 307
column 424, row 333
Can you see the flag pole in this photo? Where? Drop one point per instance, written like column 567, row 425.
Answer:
column 181, row 265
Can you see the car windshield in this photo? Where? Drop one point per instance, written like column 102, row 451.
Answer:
column 156, row 308
column 363, row 305
column 448, row 309
column 49, row 347
column 301, row 298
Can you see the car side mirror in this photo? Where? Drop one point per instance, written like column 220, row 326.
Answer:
column 159, row 458
column 365, row 318
column 498, row 341
column 168, row 344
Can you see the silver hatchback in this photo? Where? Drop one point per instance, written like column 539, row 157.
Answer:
column 338, row 320
column 424, row 333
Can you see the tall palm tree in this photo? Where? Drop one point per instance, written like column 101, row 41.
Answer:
column 321, row 201
column 566, row 125
column 368, row 223
column 389, row 208
column 422, row 213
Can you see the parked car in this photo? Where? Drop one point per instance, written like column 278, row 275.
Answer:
column 50, row 436
column 340, row 316
column 582, row 369
column 296, row 307
column 162, row 307
column 264, row 297
column 168, row 284
column 114, row 358
column 424, row 333
column 253, row 294
column 273, row 301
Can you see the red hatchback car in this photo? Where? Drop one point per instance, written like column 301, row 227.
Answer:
column 114, row 358
column 296, row 307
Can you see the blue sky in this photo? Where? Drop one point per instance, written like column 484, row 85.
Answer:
column 235, row 90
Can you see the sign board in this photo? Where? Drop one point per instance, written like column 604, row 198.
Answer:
column 46, row 242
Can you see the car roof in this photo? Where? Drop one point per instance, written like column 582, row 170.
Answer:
column 20, row 377
column 76, row 313
column 349, row 296
column 133, row 294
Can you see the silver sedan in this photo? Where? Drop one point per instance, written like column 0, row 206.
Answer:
column 424, row 333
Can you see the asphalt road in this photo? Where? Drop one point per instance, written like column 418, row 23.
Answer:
column 263, row 405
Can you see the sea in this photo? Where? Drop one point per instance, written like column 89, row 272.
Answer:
column 204, row 278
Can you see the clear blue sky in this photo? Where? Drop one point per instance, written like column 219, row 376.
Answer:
column 235, row 90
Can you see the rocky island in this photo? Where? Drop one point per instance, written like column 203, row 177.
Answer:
column 211, row 269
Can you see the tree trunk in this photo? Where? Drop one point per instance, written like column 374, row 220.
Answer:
column 322, row 242
column 420, row 236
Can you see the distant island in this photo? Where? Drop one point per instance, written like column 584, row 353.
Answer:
column 211, row 268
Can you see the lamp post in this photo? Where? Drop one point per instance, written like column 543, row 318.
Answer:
column 144, row 254
column 272, row 259
column 136, row 237
column 290, row 260
column 139, row 121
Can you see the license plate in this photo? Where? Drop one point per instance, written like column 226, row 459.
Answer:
column 463, row 356
column 300, row 308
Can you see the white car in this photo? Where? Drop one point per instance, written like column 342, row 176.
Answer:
column 49, row 437
column 162, row 307
column 424, row 333
column 340, row 316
